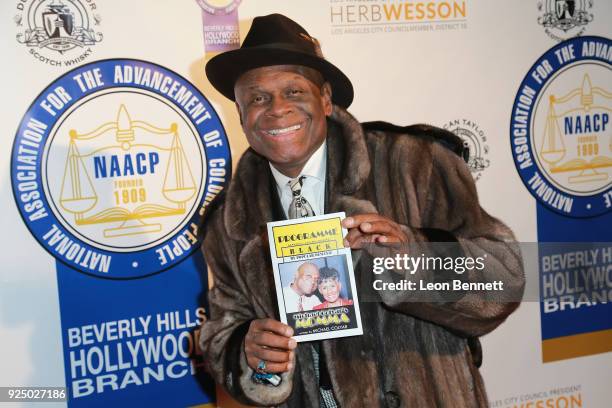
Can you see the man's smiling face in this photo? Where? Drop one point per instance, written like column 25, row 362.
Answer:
column 283, row 114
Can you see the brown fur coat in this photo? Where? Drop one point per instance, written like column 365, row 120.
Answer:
column 412, row 354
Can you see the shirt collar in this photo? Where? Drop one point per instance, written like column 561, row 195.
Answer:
column 315, row 167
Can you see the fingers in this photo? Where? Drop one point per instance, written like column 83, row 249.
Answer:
column 355, row 220
column 276, row 361
column 352, row 237
column 271, row 367
column 383, row 227
column 389, row 232
column 270, row 340
column 367, row 228
column 356, row 239
column 272, row 356
column 273, row 326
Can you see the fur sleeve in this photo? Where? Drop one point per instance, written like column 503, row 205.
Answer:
column 222, row 335
column 449, row 211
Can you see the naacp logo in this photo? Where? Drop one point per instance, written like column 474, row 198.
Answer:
column 563, row 19
column 60, row 27
column 113, row 164
column 560, row 129
column 474, row 142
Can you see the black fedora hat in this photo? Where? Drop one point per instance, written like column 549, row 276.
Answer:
column 276, row 40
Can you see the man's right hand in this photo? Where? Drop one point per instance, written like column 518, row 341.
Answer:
column 270, row 340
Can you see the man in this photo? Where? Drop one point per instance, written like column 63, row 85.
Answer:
column 397, row 185
column 299, row 295
column 330, row 287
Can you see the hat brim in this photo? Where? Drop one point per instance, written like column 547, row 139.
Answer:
column 223, row 70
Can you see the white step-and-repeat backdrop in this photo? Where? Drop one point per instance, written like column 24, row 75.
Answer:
column 114, row 141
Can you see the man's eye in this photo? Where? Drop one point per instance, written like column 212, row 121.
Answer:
column 258, row 99
column 295, row 91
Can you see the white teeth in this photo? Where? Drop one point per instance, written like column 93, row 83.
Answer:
column 284, row 130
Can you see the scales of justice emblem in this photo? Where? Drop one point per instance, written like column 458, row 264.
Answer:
column 130, row 209
column 113, row 180
column 574, row 140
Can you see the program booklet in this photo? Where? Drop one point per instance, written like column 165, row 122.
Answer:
column 314, row 277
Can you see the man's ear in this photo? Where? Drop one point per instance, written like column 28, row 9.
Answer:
column 326, row 93
column 239, row 112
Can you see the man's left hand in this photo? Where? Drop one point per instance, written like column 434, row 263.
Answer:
column 370, row 228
